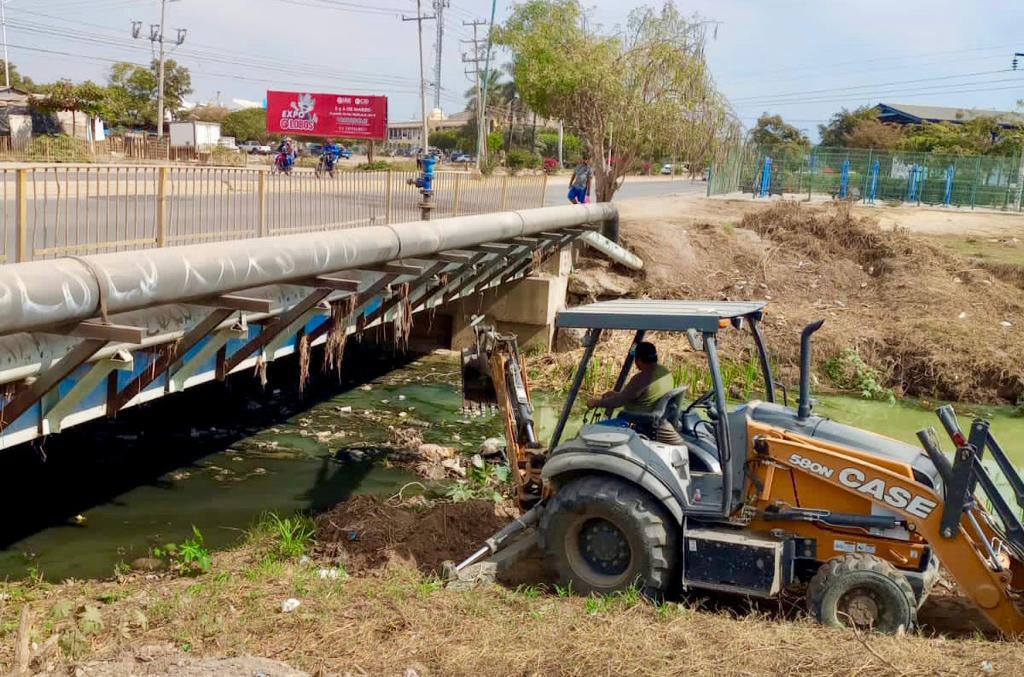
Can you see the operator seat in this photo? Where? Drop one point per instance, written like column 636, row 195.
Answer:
column 662, row 422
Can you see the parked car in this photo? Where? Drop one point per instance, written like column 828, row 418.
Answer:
column 254, row 148
column 227, row 142
column 346, row 153
column 462, row 158
column 666, row 169
column 315, row 149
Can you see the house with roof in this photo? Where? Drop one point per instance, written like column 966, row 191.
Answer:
column 912, row 114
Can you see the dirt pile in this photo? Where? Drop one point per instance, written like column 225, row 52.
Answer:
column 929, row 321
column 366, row 534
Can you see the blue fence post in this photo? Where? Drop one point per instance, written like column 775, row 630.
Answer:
column 948, row 198
column 766, row 177
column 814, row 166
column 844, row 180
column 873, row 192
column 913, row 186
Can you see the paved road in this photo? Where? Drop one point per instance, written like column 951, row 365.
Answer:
column 72, row 218
column 557, row 189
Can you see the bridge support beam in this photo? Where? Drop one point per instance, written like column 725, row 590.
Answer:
column 63, row 405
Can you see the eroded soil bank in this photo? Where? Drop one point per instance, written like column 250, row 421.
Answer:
column 924, row 320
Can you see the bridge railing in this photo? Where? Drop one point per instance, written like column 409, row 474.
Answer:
column 73, row 210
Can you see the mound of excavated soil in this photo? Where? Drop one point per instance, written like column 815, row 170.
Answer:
column 365, row 533
column 931, row 322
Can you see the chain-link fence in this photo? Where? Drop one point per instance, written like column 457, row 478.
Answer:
column 873, row 176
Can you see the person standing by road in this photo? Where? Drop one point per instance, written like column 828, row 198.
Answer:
column 579, row 183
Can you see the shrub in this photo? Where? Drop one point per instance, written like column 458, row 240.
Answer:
column 59, row 148
column 521, row 159
column 375, row 166
column 550, row 165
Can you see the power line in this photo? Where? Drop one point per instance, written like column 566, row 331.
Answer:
column 787, row 95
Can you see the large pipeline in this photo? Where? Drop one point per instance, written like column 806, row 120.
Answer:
column 45, row 294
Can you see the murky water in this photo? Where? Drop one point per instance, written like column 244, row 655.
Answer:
column 220, row 457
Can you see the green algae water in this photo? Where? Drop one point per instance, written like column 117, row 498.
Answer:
column 218, row 458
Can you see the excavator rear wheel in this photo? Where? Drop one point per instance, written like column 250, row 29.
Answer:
column 862, row 591
column 603, row 535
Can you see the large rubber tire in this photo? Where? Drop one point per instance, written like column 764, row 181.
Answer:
column 602, row 535
column 862, row 591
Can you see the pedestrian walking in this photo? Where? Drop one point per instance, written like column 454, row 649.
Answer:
column 579, row 183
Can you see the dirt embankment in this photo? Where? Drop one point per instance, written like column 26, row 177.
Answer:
column 365, row 534
column 931, row 322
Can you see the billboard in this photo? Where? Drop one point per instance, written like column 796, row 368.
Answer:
column 346, row 115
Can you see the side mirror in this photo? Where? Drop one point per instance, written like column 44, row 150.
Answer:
column 696, row 340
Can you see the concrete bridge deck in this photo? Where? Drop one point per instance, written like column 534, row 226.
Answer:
column 87, row 337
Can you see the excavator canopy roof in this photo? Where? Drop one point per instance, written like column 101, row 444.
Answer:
column 655, row 315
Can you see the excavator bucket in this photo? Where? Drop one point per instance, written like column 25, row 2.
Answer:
column 477, row 385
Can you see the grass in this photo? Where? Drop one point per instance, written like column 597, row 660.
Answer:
column 396, row 620
column 282, row 538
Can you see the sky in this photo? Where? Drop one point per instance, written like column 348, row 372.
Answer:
column 803, row 59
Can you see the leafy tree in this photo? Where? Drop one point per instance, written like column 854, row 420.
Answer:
column 978, row 136
column 18, row 81
column 548, row 143
column 777, row 137
column 625, row 94
column 248, row 124
column 136, row 94
column 88, row 98
column 842, row 124
column 209, row 113
column 874, row 134
column 446, row 139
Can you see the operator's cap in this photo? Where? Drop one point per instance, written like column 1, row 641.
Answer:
column 646, row 351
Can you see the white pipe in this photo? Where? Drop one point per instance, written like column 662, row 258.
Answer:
column 44, row 294
column 613, row 251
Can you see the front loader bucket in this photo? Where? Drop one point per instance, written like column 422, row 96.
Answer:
column 966, row 474
column 477, row 385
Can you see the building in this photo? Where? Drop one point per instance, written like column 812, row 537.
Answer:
column 19, row 122
column 909, row 114
column 409, row 134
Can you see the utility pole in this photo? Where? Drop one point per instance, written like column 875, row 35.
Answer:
column 482, row 131
column 156, row 36
column 7, row 61
column 477, row 58
column 439, row 7
column 419, row 19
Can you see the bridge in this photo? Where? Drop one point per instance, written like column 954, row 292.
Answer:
column 87, row 336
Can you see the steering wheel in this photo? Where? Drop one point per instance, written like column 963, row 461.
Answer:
column 703, row 402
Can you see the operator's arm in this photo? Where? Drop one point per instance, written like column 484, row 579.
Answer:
column 631, row 391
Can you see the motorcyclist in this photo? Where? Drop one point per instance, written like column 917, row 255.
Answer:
column 331, row 152
column 288, row 151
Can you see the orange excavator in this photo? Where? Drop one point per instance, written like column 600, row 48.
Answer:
column 756, row 497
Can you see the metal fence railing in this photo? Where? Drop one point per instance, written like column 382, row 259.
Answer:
column 874, row 176
column 73, row 210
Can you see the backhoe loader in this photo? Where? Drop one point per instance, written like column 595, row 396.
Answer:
column 754, row 498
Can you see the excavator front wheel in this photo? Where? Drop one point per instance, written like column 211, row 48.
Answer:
column 603, row 535
column 862, row 591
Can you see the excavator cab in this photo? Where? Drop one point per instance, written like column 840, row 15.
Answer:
column 756, row 497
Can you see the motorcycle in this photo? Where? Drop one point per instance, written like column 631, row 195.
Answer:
column 325, row 166
column 283, row 164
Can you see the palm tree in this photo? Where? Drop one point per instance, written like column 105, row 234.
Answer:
column 494, row 91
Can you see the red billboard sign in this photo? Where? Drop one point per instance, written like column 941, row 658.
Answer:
column 346, row 115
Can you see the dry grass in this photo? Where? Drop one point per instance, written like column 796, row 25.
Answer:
column 929, row 320
column 383, row 624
